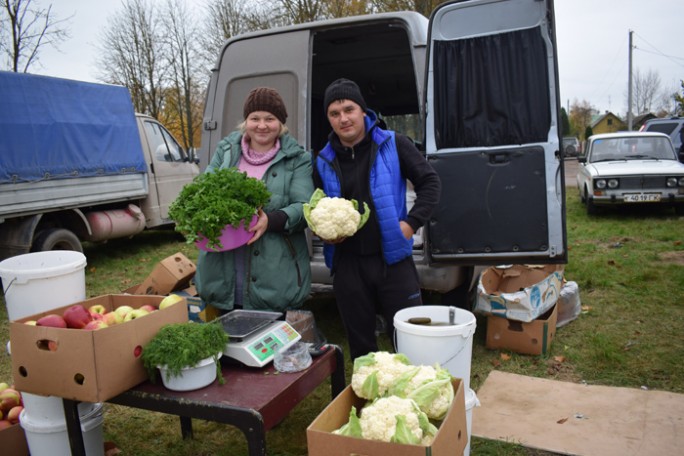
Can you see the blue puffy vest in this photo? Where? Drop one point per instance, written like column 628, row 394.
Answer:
column 388, row 192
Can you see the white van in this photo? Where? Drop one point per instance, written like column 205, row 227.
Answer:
column 476, row 87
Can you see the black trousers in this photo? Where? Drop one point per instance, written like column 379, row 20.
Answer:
column 366, row 286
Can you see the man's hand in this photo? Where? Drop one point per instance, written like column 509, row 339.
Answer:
column 406, row 229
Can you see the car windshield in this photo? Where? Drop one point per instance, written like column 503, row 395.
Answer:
column 631, row 148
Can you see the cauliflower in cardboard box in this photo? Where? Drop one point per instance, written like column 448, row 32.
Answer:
column 519, row 292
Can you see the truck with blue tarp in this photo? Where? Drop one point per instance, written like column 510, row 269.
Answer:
column 78, row 164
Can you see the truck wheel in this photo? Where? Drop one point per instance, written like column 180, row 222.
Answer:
column 56, row 239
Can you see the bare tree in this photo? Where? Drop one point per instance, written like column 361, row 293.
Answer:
column 132, row 55
column 24, row 30
column 184, row 96
column 646, row 91
column 424, row 7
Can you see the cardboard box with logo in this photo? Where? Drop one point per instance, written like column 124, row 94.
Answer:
column 170, row 274
column 89, row 366
column 533, row 338
column 519, row 292
column 451, row 438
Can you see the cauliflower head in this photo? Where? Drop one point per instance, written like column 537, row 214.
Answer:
column 395, row 419
column 375, row 373
column 430, row 387
column 334, row 218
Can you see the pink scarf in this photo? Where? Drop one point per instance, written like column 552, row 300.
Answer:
column 257, row 158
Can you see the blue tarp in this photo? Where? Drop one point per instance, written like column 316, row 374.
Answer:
column 53, row 128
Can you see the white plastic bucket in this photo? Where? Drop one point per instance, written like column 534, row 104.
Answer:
column 451, row 346
column 41, row 281
column 471, row 401
column 50, row 409
column 191, row 378
column 51, row 439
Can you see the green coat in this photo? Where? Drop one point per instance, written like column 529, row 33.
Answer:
column 277, row 269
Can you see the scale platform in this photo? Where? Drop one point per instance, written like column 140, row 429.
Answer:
column 254, row 337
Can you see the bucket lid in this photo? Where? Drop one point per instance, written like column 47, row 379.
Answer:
column 464, row 321
column 471, row 399
column 88, row 422
column 39, row 265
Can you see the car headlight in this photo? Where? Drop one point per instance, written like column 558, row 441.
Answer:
column 671, row 182
column 681, row 182
column 613, row 183
column 600, row 183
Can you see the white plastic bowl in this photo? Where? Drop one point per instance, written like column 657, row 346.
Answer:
column 191, row 378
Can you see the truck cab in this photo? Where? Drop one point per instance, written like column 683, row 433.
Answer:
column 475, row 87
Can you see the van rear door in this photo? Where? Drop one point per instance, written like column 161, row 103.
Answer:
column 492, row 133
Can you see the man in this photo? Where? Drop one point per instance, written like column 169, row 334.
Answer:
column 373, row 271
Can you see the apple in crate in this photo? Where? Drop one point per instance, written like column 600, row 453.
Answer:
column 95, row 324
column 13, row 414
column 97, row 309
column 9, row 398
column 112, row 318
column 77, row 316
column 135, row 313
column 169, row 301
column 52, row 320
column 123, row 310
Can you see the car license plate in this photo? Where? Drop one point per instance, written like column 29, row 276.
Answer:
column 641, row 197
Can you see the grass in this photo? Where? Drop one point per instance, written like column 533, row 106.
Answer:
column 629, row 266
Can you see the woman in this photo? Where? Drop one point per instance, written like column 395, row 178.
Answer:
column 272, row 271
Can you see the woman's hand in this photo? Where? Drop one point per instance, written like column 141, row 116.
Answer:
column 259, row 228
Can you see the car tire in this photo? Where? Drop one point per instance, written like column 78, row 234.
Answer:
column 56, row 239
column 591, row 207
column 570, row 151
column 583, row 196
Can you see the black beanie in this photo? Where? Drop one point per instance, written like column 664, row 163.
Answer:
column 265, row 99
column 343, row 89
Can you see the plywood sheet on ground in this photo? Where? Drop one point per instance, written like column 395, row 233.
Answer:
column 576, row 419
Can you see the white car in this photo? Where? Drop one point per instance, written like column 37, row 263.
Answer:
column 630, row 168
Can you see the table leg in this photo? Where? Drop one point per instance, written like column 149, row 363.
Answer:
column 338, row 380
column 186, row 427
column 73, row 425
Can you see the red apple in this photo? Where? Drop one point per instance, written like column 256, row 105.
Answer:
column 97, row 316
column 95, row 324
column 98, row 309
column 9, row 398
column 148, row 307
column 77, row 316
column 112, row 318
column 53, row 320
column 13, row 414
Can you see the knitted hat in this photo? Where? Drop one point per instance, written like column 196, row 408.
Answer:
column 265, row 99
column 343, row 89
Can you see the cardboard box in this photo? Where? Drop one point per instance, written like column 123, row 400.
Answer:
column 13, row 441
column 89, row 366
column 532, row 338
column 170, row 274
column 519, row 292
column 451, row 438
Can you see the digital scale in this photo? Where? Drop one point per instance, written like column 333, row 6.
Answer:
column 254, row 336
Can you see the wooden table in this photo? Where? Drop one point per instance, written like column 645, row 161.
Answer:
column 252, row 399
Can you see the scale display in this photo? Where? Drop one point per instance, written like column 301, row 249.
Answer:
column 255, row 337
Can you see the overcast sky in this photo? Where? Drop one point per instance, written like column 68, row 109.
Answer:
column 592, row 36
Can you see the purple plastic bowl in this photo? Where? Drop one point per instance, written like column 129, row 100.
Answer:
column 231, row 238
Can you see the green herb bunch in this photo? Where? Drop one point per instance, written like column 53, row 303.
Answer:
column 180, row 345
column 215, row 199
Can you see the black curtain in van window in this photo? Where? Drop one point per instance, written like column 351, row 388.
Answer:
column 492, row 90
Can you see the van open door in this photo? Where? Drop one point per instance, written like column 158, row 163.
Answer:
column 492, row 133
